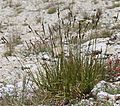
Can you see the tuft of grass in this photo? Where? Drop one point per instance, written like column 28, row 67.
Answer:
column 8, row 53
column 69, row 77
column 9, row 48
column 117, row 27
column 114, row 91
column 45, row 1
column 115, row 5
column 51, row 10
column 95, row 1
column 10, row 44
column 106, row 33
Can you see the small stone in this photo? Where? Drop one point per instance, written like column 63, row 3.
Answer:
column 66, row 102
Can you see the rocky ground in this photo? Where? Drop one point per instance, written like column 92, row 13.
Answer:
column 19, row 19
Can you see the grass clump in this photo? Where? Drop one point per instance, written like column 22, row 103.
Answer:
column 106, row 33
column 115, row 5
column 51, row 10
column 8, row 53
column 10, row 44
column 117, row 27
column 9, row 47
column 69, row 77
column 95, row 1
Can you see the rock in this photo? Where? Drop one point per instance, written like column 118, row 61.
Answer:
column 102, row 96
column 110, row 50
column 104, row 92
column 45, row 56
column 8, row 90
